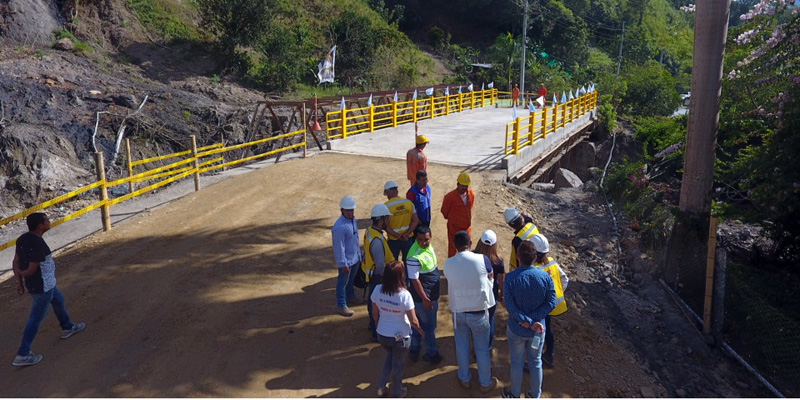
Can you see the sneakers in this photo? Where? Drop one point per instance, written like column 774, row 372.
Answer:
column 434, row 359
column 383, row 391
column 403, row 392
column 487, row 389
column 465, row 384
column 75, row 329
column 507, row 393
column 413, row 356
column 30, row 359
column 344, row 311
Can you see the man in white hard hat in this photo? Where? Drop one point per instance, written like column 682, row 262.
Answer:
column 402, row 222
column 560, row 281
column 347, row 253
column 524, row 229
column 376, row 255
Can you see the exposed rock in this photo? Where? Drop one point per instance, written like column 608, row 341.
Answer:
column 125, row 100
column 64, row 44
column 566, row 179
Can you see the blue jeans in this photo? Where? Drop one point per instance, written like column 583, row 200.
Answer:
column 518, row 348
column 476, row 326
column 401, row 246
column 394, row 363
column 427, row 320
column 344, row 286
column 38, row 312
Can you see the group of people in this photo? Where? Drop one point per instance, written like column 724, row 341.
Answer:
column 401, row 275
column 517, row 99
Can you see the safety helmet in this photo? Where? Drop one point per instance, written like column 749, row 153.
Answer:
column 463, row 179
column 348, row 203
column 389, row 185
column 510, row 214
column 380, row 210
column 540, row 243
column 489, row 237
column 422, row 139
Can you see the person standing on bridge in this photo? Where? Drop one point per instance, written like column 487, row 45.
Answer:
column 347, row 253
column 524, row 229
column 542, row 91
column 420, row 194
column 416, row 160
column 402, row 222
column 515, row 96
column 33, row 265
column 529, row 296
column 457, row 210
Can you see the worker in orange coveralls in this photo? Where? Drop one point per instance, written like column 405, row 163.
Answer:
column 416, row 160
column 457, row 210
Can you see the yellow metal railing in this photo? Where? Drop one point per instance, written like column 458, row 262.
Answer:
column 196, row 163
column 351, row 121
column 524, row 131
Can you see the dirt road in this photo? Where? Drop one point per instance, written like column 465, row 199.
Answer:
column 229, row 292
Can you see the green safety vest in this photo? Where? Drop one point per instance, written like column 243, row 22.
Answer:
column 426, row 257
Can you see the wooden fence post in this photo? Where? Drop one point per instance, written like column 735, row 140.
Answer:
column 105, row 210
column 130, row 167
column 305, row 132
column 196, row 164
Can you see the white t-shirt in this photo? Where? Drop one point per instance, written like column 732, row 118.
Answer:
column 393, row 308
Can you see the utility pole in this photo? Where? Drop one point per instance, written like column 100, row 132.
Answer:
column 688, row 242
column 621, row 40
column 524, row 40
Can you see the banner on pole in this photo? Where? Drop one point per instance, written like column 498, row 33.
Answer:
column 326, row 71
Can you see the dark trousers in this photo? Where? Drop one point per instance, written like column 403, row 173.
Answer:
column 374, row 281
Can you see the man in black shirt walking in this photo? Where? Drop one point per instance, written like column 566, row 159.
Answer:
column 33, row 265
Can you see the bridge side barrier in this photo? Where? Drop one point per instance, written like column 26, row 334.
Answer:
column 174, row 171
column 525, row 130
column 346, row 122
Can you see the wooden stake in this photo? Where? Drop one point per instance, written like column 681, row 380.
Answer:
column 130, row 160
column 105, row 210
column 196, row 164
column 712, row 248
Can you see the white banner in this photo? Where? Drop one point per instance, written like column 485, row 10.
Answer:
column 326, row 67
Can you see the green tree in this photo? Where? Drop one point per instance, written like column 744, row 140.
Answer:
column 651, row 90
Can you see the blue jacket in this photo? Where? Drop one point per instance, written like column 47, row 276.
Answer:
column 530, row 295
column 345, row 242
column 422, row 202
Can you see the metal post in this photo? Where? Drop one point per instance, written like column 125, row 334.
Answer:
column 196, row 164
column 415, row 111
column 371, row 118
column 105, row 210
column 394, row 114
column 433, row 106
column 544, row 123
column 516, row 136
column 712, row 248
column 130, row 167
column 524, row 39
column 305, row 128
column 344, row 123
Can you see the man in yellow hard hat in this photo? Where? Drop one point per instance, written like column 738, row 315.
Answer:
column 416, row 160
column 457, row 210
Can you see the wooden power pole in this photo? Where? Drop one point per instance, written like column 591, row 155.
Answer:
column 685, row 262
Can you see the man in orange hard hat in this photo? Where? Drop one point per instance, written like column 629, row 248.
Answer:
column 457, row 210
column 416, row 160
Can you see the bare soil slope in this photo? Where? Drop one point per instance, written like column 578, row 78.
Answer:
column 229, row 292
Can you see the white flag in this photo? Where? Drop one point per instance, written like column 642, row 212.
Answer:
column 571, row 97
column 429, row 91
column 369, row 100
column 555, row 101
column 343, row 106
column 447, row 91
column 469, row 87
column 326, row 67
column 459, row 88
column 514, row 112
column 540, row 100
column 583, row 89
column 563, row 97
column 395, row 96
column 482, row 88
column 415, row 94
column 491, row 84
column 531, row 107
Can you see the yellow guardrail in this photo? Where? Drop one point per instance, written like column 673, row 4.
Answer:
column 351, row 121
column 172, row 172
column 524, row 131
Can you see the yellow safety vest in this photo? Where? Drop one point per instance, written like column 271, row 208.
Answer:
column 525, row 233
column 369, row 264
column 402, row 213
column 552, row 268
column 426, row 257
